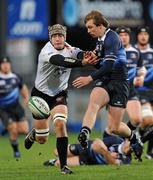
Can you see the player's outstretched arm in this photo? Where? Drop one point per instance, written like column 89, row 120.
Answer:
column 70, row 62
column 99, row 147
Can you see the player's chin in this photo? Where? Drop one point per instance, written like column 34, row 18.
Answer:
column 59, row 47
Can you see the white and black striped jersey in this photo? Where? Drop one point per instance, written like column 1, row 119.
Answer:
column 52, row 79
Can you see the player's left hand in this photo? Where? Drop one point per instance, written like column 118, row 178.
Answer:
column 82, row 81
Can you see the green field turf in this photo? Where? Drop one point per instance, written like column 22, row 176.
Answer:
column 30, row 167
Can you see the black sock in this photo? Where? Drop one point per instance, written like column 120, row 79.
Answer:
column 148, row 134
column 131, row 126
column 150, row 146
column 85, row 129
column 62, row 144
column 14, row 144
column 133, row 138
column 141, row 131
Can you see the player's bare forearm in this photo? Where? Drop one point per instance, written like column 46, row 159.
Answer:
column 82, row 81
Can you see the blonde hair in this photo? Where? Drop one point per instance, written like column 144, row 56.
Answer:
column 97, row 17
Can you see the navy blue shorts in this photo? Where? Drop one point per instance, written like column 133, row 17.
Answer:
column 14, row 113
column 118, row 91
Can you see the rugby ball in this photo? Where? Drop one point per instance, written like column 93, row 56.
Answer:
column 39, row 107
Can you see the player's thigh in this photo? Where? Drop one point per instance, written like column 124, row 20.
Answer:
column 5, row 117
column 73, row 161
column 41, row 124
column 134, row 111
column 99, row 97
column 12, row 127
column 23, row 126
column 115, row 116
column 59, row 113
column 61, row 108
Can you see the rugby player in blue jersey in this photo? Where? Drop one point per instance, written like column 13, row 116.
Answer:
column 135, row 69
column 146, row 90
column 11, row 112
column 110, row 150
column 111, row 84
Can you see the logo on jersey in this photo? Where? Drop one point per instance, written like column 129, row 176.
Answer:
column 118, row 103
column 149, row 56
column 133, row 56
column 2, row 82
column 59, row 71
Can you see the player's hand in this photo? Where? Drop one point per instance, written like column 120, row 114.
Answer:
column 138, row 81
column 142, row 71
column 90, row 58
column 82, row 81
column 126, row 147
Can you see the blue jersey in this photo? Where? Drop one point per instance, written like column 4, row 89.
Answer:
column 10, row 85
column 110, row 48
column 147, row 56
column 112, row 143
column 134, row 62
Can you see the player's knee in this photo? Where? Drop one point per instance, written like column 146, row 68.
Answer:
column 42, row 135
column 137, row 121
column 59, row 121
column 13, row 134
column 41, row 140
column 94, row 107
column 59, row 124
column 23, row 131
column 147, row 121
column 114, row 130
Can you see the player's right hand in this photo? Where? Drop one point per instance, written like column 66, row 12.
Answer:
column 90, row 58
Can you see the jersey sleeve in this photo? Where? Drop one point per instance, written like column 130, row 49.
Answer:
column 77, row 53
column 20, row 81
column 111, row 45
column 46, row 53
column 140, row 60
column 45, row 56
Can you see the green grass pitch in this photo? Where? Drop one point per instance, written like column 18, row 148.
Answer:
column 30, row 165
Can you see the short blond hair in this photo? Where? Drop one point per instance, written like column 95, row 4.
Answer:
column 98, row 18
